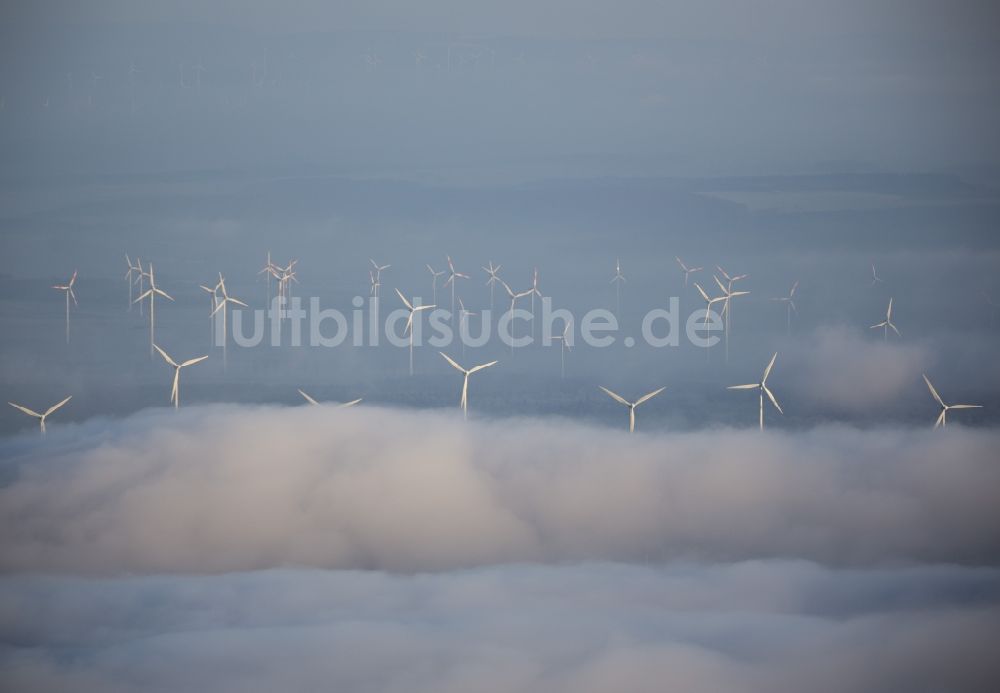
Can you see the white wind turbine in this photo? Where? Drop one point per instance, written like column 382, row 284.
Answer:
column 875, row 278
column 617, row 281
column 463, row 318
column 688, row 271
column 789, row 302
column 564, row 346
column 730, row 280
column 152, row 292
column 222, row 303
column 130, row 275
column 378, row 276
column 464, row 402
column 409, row 320
column 493, row 279
column 68, row 288
column 631, row 405
column 434, row 282
column 887, row 323
column 140, row 279
column 762, row 386
column 709, row 301
column 213, row 297
column 452, row 277
column 942, row 419
column 175, row 396
column 340, row 405
column 534, row 292
column 270, row 271
column 513, row 304
column 41, row 417
column 729, row 294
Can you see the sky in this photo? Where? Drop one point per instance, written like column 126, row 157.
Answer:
column 250, row 541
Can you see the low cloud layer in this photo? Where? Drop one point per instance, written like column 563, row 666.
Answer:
column 228, row 489
column 757, row 626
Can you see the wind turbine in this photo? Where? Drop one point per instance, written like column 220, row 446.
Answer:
column 730, row 280
column 631, row 405
column 130, row 277
column 875, row 278
column 340, row 405
column 463, row 318
column 221, row 304
column 942, row 419
column 68, row 288
column 464, row 402
column 513, row 304
column 887, row 323
column 151, row 292
column 41, row 417
column 378, row 275
column 270, row 271
column 617, row 281
column 687, row 270
column 762, row 386
column 493, row 279
column 140, row 279
column 452, row 277
column 175, row 396
column 708, row 306
column 534, row 292
column 409, row 320
column 434, row 282
column 563, row 348
column 790, row 305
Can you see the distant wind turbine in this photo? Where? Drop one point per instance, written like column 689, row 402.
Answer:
column 564, row 346
column 222, row 303
column 270, row 271
column 175, row 396
column 68, row 288
column 942, row 419
column 762, row 386
column 409, row 320
column 493, row 279
column 151, row 293
column 631, row 405
column 464, row 402
column 617, row 280
column 875, row 278
column 41, row 417
column 378, row 275
column 130, row 275
column 513, row 304
column 534, row 292
column 729, row 294
column 887, row 323
column 687, row 270
column 340, row 405
column 789, row 305
column 463, row 318
column 434, row 282
column 453, row 275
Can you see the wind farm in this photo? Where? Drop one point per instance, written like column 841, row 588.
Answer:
column 595, row 216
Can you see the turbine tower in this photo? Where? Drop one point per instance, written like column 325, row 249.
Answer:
column 875, row 278
column 942, row 419
column 728, row 295
column 41, row 417
column 377, row 282
column 464, row 402
column 409, row 321
column 631, row 405
column 222, row 303
column 175, row 396
column 762, row 386
column 564, row 346
column 68, row 288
